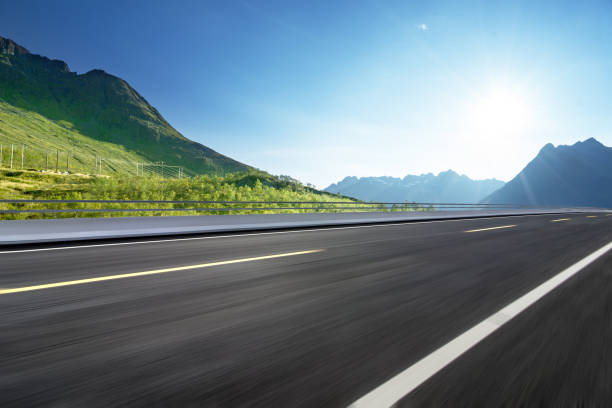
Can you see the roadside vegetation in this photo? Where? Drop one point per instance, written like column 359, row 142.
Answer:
column 251, row 186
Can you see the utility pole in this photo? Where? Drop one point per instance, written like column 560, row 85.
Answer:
column 56, row 160
column 11, row 155
column 22, row 149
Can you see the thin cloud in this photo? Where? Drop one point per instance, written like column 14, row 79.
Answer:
column 423, row 27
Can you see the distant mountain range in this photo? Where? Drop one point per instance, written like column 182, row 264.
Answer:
column 447, row 186
column 44, row 104
column 576, row 175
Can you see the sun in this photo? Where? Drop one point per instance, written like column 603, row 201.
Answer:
column 502, row 110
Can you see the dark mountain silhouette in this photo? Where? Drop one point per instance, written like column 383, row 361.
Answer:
column 97, row 105
column 577, row 175
column 447, row 187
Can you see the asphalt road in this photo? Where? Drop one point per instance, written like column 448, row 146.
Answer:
column 319, row 328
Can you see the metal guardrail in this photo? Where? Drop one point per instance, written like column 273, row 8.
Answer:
column 256, row 202
column 229, row 206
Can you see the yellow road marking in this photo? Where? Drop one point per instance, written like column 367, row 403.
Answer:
column 152, row 272
column 591, row 216
column 561, row 219
column 492, row 228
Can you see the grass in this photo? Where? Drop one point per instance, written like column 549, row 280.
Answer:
column 42, row 135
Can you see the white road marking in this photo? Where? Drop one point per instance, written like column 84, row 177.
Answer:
column 257, row 233
column 405, row 382
column 560, row 220
column 492, row 228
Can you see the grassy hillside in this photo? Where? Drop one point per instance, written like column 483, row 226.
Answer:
column 44, row 104
column 251, row 186
column 42, row 135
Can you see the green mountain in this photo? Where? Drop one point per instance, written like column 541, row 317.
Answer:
column 45, row 105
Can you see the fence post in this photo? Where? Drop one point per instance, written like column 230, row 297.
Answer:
column 56, row 160
column 46, row 160
column 67, row 157
column 11, row 155
column 136, row 169
column 22, row 149
column 162, row 169
column 1, row 146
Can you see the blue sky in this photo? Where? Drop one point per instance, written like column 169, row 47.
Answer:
column 320, row 90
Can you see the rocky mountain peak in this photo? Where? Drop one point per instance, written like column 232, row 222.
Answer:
column 8, row 46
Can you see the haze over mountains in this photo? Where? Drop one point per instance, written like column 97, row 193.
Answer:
column 576, row 175
column 447, row 186
column 43, row 103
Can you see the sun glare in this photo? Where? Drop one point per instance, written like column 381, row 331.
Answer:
column 501, row 110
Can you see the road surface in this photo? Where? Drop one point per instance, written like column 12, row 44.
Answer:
column 310, row 318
